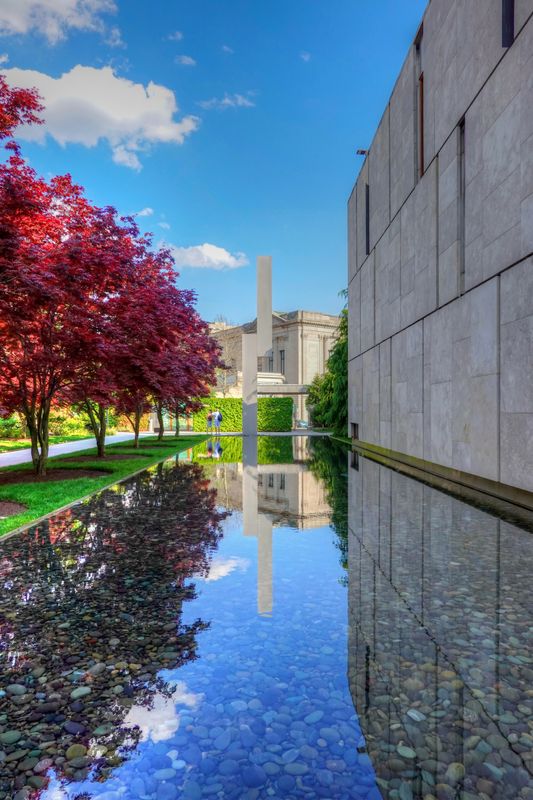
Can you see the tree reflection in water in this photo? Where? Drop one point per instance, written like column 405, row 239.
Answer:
column 329, row 463
column 90, row 612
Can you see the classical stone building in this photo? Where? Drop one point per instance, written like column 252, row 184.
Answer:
column 440, row 253
column 301, row 342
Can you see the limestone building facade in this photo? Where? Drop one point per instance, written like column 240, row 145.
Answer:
column 301, row 343
column 440, row 242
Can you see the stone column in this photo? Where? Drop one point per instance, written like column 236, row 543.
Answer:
column 249, row 486
column 249, row 384
column 264, row 565
column 264, row 308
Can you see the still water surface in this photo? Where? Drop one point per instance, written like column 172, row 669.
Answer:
column 298, row 625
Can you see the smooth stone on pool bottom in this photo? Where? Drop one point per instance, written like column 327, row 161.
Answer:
column 314, row 716
column 296, row 768
column 165, row 774
column 10, row 737
column 222, row 742
column 75, row 751
column 254, row 776
column 406, row 752
column 16, row 689
column 166, row 791
column 81, row 691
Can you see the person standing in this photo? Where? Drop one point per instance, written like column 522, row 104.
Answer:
column 209, row 421
column 218, row 421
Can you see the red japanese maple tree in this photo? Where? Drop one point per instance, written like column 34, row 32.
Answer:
column 17, row 107
column 89, row 313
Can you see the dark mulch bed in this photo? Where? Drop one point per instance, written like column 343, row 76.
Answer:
column 58, row 474
column 9, row 509
column 110, row 457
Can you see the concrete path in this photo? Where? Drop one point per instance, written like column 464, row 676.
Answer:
column 23, row 456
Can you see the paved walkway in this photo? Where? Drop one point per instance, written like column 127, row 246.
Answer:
column 23, row 456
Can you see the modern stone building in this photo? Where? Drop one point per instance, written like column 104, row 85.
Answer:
column 301, row 343
column 441, row 253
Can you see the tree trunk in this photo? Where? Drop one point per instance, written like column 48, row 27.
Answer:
column 161, row 420
column 98, row 419
column 137, row 426
column 31, row 424
column 102, row 430
column 37, row 419
column 177, row 431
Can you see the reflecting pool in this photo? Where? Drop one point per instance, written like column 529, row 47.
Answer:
column 269, row 620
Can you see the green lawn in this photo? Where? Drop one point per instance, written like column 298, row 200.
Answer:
column 8, row 445
column 43, row 498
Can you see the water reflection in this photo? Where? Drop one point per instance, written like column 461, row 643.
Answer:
column 90, row 613
column 270, row 495
column 263, row 687
column 440, row 659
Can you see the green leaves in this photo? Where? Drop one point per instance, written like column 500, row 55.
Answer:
column 328, row 394
column 273, row 414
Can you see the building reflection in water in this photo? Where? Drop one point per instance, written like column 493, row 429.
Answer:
column 271, row 496
column 440, row 632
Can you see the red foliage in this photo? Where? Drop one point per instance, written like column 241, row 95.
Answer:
column 88, row 312
column 17, row 106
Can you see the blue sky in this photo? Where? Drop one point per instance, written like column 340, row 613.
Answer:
column 231, row 123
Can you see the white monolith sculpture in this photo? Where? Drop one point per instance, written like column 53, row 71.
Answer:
column 257, row 524
column 256, row 346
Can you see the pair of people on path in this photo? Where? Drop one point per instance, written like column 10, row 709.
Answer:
column 214, row 420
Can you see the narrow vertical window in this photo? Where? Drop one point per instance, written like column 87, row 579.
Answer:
column 418, row 122
column 367, row 219
column 282, row 361
column 461, row 205
column 507, row 23
column 421, row 125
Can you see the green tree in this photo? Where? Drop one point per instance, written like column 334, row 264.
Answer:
column 328, row 394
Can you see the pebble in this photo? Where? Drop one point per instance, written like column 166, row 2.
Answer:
column 164, row 774
column 80, row 691
column 254, row 776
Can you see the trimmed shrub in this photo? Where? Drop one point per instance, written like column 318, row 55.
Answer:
column 273, row 414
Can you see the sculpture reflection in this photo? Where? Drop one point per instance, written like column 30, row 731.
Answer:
column 281, row 492
column 90, row 612
column 440, row 661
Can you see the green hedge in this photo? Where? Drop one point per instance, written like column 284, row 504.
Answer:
column 273, row 414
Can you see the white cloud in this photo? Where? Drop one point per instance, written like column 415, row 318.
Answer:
column 4, row 58
column 221, row 567
column 185, row 61
column 162, row 719
column 114, row 38
column 305, row 56
column 145, row 212
column 164, row 225
column 229, row 101
column 177, row 36
column 208, row 256
column 227, row 49
column 53, row 18
column 88, row 105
